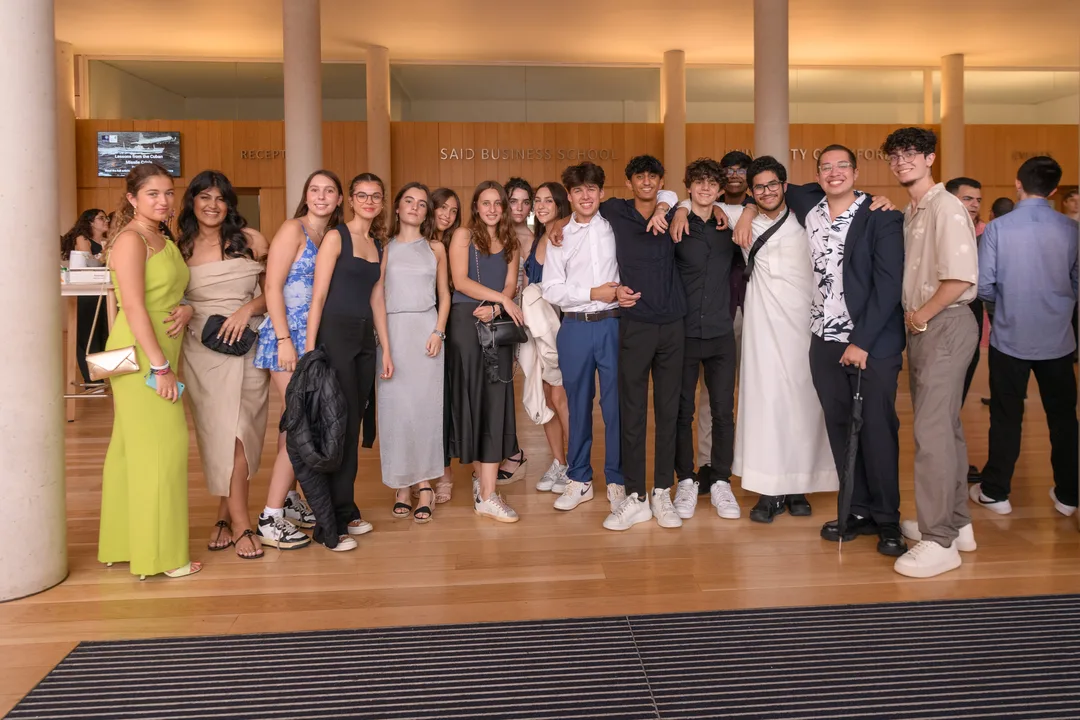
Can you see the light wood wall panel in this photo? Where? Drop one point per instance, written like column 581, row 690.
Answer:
column 993, row 153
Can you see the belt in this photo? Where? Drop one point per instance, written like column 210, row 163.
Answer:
column 592, row 316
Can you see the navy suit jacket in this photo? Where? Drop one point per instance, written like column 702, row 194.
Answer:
column 873, row 272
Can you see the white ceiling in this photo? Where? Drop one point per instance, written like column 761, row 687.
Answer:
column 905, row 33
column 516, row 83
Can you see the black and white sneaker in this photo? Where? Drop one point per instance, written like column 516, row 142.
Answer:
column 298, row 512
column 278, row 532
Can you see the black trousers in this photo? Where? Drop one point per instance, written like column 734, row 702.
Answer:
column 876, row 492
column 350, row 347
column 1008, row 385
column 84, row 319
column 644, row 348
column 976, row 306
column 717, row 356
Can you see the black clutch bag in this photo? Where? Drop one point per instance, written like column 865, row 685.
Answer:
column 211, row 340
column 500, row 332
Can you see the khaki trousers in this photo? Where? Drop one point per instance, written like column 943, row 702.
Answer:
column 938, row 360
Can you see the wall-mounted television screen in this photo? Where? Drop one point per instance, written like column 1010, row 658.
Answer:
column 118, row 152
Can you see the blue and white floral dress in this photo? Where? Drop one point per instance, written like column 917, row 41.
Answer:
column 297, row 291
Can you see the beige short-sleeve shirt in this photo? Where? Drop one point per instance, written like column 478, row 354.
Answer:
column 939, row 244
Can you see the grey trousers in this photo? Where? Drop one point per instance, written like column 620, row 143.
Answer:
column 938, row 360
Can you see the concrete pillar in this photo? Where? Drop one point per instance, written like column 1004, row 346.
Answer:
column 34, row 558
column 771, row 97
column 378, row 113
column 303, row 95
column 928, row 97
column 673, row 113
column 65, row 136
column 952, row 117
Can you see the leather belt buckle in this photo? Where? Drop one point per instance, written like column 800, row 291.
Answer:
column 589, row 316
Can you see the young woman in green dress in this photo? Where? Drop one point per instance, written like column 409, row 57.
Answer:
column 144, row 511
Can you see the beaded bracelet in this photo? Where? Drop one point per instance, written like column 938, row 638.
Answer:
column 161, row 370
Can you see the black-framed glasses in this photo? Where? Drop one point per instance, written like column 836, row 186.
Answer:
column 735, row 172
column 773, row 186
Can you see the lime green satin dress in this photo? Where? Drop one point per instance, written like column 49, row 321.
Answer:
column 144, row 493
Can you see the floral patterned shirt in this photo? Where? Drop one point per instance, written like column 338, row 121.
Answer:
column 829, row 318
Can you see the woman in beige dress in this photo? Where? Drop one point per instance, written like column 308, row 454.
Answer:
column 228, row 394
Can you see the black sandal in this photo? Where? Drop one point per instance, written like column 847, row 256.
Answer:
column 401, row 510
column 423, row 508
column 221, row 526
column 505, row 476
column 255, row 543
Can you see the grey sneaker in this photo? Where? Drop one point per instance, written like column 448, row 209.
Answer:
column 298, row 512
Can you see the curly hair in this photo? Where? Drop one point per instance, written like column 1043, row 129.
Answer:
column 234, row 243
column 516, row 183
column 644, row 164
column 83, row 227
column 703, row 169
column 765, row 163
column 921, row 140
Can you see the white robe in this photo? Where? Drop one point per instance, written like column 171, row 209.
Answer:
column 781, row 446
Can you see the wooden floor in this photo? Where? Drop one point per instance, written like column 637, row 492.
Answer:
column 460, row 568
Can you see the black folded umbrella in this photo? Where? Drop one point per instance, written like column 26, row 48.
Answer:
column 847, row 480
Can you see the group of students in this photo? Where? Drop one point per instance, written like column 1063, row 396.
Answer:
column 807, row 292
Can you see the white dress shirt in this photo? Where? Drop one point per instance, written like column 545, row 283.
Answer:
column 585, row 260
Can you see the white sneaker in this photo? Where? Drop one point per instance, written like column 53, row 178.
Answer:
column 615, row 495
column 724, row 500
column 344, row 544
column 496, row 509
column 927, row 559
column 575, row 494
column 1061, row 507
column 1001, row 507
column 551, row 476
column 297, row 511
column 663, row 510
column 630, row 512
column 686, row 498
column 360, row 527
column 965, row 541
column 276, row 531
column 560, row 482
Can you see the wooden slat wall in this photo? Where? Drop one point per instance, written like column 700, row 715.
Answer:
column 993, row 154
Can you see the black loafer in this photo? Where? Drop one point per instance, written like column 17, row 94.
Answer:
column 974, row 474
column 705, row 479
column 856, row 526
column 768, row 507
column 891, row 540
column 798, row 505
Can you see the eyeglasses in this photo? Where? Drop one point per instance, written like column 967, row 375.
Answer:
column 770, row 186
column 829, row 167
column 735, row 172
column 907, row 156
column 363, row 198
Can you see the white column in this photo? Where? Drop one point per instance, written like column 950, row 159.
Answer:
column 771, row 112
column 33, row 558
column 65, row 136
column 928, row 97
column 303, row 95
column 952, row 117
column 378, row 113
column 673, row 113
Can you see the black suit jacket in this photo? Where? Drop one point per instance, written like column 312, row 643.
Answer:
column 873, row 271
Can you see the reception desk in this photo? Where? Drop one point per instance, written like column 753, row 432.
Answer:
column 74, row 387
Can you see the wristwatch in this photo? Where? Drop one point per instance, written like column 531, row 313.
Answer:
column 440, row 333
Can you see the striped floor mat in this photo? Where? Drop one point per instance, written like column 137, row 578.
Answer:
column 997, row 658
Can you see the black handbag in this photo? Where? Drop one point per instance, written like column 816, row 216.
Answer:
column 499, row 331
column 211, row 340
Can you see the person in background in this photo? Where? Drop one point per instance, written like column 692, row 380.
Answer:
column 1070, row 203
column 1001, row 206
column 550, row 204
column 446, row 208
column 342, row 320
column 86, row 238
column 144, row 491
column 1028, row 268
column 229, row 395
column 290, row 274
column 940, row 273
column 484, row 263
column 969, row 192
column 411, row 304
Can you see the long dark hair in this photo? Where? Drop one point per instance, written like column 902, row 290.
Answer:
column 133, row 183
column 378, row 223
column 562, row 207
column 338, row 215
column 234, row 243
column 504, row 231
column 427, row 226
column 83, row 227
column 438, row 199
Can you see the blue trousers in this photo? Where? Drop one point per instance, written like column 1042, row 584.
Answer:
column 586, row 349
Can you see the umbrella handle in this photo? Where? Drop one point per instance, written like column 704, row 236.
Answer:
column 858, row 382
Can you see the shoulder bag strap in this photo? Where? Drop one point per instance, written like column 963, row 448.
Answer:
column 760, row 242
